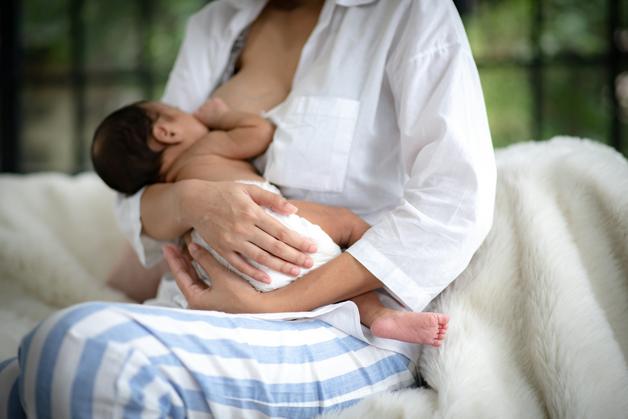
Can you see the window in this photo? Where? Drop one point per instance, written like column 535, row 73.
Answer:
column 548, row 67
column 73, row 62
column 552, row 67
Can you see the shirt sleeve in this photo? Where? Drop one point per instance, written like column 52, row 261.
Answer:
column 189, row 83
column 421, row 246
column 127, row 212
column 188, row 86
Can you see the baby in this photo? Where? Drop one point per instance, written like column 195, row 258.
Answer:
column 151, row 142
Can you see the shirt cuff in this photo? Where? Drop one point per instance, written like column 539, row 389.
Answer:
column 403, row 288
column 127, row 210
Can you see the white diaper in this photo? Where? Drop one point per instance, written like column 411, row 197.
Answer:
column 327, row 249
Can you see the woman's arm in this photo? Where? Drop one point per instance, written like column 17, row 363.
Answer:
column 230, row 216
column 340, row 279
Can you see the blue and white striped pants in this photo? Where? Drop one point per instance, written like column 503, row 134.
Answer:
column 122, row 360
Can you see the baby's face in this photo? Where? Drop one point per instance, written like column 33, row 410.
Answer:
column 174, row 131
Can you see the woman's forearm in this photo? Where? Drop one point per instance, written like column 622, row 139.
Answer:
column 340, row 279
column 160, row 210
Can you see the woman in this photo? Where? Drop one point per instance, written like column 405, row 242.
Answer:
column 378, row 109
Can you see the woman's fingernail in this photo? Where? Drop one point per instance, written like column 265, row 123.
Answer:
column 308, row 262
column 295, row 271
column 265, row 279
column 312, row 248
column 288, row 206
column 193, row 248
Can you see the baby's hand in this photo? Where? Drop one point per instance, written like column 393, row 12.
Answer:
column 210, row 112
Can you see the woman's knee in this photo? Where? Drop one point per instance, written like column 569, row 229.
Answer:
column 51, row 356
column 49, row 336
column 84, row 359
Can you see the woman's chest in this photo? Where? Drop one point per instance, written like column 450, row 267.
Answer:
column 265, row 68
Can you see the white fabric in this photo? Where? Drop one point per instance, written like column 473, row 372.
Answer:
column 58, row 242
column 385, row 117
column 326, row 249
column 538, row 319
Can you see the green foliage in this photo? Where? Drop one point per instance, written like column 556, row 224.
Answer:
column 575, row 99
column 44, row 35
column 500, row 29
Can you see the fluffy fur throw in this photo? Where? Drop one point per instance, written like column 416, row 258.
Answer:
column 58, row 240
column 538, row 320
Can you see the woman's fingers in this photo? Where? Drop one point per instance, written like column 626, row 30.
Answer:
column 241, row 231
column 215, row 270
column 246, row 268
column 229, row 292
column 291, row 238
column 271, row 200
column 185, row 276
column 284, row 258
column 261, row 256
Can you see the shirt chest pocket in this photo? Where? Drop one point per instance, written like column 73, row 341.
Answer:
column 310, row 149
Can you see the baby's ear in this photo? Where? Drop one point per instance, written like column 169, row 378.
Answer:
column 163, row 133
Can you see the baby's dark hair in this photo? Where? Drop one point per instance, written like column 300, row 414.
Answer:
column 120, row 152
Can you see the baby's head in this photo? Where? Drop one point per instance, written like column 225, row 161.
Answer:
column 136, row 145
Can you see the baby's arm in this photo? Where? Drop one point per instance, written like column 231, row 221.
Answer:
column 235, row 135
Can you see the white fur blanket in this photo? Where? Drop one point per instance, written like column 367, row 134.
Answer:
column 58, row 239
column 538, row 320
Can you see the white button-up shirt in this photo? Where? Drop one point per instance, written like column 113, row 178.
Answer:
column 386, row 117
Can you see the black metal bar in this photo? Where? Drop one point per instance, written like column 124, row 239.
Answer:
column 465, row 7
column 614, row 57
column 536, row 70
column 77, row 77
column 10, row 82
column 144, row 65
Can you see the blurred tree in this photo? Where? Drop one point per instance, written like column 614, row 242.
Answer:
column 543, row 66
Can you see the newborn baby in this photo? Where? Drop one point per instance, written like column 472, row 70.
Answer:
column 151, row 142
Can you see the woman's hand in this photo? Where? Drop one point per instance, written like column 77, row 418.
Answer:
column 339, row 279
column 228, row 292
column 230, row 217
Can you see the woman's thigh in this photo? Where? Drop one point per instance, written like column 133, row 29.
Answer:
column 114, row 359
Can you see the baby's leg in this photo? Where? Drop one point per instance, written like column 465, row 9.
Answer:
column 423, row 328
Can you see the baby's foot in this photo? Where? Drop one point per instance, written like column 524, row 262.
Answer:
column 424, row 328
column 211, row 111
